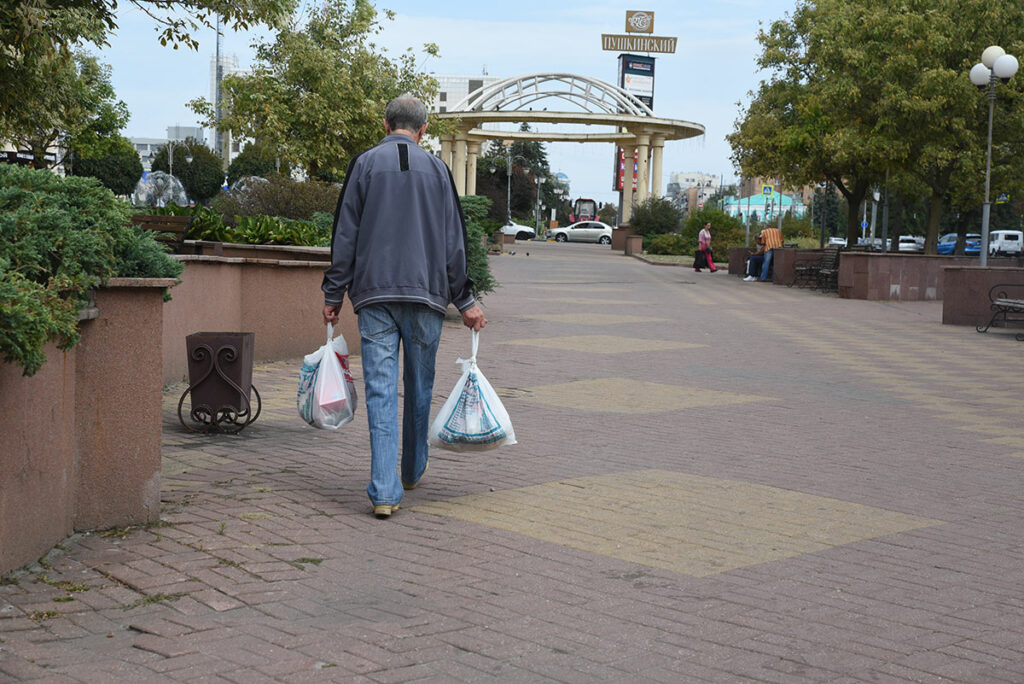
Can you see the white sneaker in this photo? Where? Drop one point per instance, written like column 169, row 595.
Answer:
column 749, row 279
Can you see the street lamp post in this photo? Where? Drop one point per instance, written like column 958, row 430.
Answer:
column 170, row 155
column 508, row 175
column 995, row 64
column 536, row 214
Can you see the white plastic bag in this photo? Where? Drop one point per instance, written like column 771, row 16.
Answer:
column 473, row 418
column 327, row 392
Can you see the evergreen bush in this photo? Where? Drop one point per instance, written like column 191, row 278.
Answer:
column 475, row 208
column 60, row 238
column 655, row 216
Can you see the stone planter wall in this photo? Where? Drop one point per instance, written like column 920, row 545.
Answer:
column 895, row 276
column 278, row 299
column 966, row 290
column 81, row 438
column 286, row 252
column 619, row 235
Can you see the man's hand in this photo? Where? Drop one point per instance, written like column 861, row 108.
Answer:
column 331, row 312
column 473, row 318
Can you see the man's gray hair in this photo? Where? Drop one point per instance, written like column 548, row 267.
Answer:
column 405, row 112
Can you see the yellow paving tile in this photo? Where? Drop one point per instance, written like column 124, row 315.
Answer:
column 623, row 395
column 682, row 523
column 603, row 344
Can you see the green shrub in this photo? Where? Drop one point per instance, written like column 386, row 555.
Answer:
column 475, row 208
column 60, row 238
column 669, row 243
column 726, row 231
column 655, row 216
column 279, row 196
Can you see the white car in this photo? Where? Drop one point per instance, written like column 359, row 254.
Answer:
column 520, row 231
column 1005, row 242
column 837, row 241
column 910, row 243
column 582, row 231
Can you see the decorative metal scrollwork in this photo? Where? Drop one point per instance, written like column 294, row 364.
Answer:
column 224, row 414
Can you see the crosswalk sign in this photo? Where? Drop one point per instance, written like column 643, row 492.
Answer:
column 767, row 190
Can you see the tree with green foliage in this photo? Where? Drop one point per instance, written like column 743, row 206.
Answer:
column 113, row 161
column 39, row 38
column 608, row 213
column 811, row 120
column 77, row 104
column 529, row 161
column 860, row 89
column 202, row 176
column 316, row 94
column 254, row 160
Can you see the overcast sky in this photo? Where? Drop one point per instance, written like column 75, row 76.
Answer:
column 711, row 71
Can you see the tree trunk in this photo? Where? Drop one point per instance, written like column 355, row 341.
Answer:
column 931, row 237
column 854, row 196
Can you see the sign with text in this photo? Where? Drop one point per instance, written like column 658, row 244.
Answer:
column 636, row 77
column 639, row 21
column 634, row 43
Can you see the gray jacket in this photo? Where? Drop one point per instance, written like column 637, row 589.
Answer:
column 399, row 233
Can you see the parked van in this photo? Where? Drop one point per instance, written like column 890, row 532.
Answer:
column 1005, row 242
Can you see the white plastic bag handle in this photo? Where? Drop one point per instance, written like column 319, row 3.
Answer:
column 330, row 332
column 470, row 363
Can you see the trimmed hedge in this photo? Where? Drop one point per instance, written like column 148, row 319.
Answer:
column 60, row 238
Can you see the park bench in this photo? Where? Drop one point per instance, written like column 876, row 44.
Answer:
column 822, row 274
column 1007, row 303
column 170, row 230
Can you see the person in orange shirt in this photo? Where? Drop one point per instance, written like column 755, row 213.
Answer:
column 772, row 240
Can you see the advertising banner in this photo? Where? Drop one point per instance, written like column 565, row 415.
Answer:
column 636, row 77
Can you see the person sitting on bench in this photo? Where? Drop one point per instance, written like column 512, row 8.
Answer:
column 755, row 261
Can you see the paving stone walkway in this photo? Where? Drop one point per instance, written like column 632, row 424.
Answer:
column 715, row 481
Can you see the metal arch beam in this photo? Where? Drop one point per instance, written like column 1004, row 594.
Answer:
column 481, row 134
column 669, row 129
column 589, row 93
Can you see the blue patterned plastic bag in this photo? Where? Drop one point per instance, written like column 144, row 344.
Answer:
column 473, row 418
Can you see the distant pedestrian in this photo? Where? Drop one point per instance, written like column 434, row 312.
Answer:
column 703, row 257
column 399, row 251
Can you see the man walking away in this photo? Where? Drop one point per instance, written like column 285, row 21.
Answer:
column 399, row 251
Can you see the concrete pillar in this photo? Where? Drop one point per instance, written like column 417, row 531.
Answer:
column 474, row 153
column 657, row 150
column 460, row 163
column 447, row 142
column 643, row 175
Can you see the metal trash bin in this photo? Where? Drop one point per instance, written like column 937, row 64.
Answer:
column 220, row 382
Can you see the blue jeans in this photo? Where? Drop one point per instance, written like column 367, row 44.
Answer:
column 767, row 266
column 382, row 327
column 754, row 267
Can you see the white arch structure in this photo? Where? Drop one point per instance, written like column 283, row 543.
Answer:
column 625, row 120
